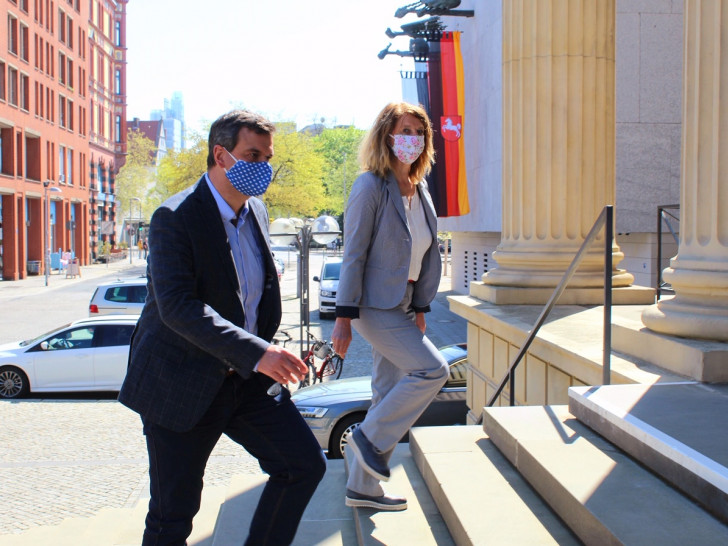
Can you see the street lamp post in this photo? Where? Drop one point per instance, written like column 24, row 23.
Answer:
column 323, row 230
column 47, row 237
column 129, row 229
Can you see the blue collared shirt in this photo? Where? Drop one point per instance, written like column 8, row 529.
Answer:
column 247, row 255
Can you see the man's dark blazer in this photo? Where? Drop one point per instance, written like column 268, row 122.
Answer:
column 190, row 332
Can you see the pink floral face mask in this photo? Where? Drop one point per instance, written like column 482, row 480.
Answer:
column 408, row 148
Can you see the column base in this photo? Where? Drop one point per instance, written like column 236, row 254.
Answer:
column 675, row 318
column 550, row 278
column 518, row 295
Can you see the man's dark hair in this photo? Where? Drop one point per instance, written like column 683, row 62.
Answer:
column 225, row 130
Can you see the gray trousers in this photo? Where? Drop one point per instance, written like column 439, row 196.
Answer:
column 407, row 373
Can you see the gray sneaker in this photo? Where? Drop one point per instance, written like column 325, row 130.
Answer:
column 385, row 502
column 369, row 456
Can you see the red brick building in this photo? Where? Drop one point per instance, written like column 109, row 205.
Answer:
column 62, row 127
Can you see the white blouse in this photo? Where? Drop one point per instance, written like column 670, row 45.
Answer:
column 420, row 231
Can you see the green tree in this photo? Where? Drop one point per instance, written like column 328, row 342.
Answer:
column 179, row 170
column 339, row 148
column 136, row 176
column 297, row 189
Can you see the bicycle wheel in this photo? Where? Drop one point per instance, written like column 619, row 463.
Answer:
column 310, row 377
column 332, row 368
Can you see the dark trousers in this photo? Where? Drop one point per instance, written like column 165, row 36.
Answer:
column 269, row 428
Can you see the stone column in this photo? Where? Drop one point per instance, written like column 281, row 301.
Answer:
column 558, row 145
column 699, row 272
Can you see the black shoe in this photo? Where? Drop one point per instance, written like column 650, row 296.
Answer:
column 385, row 502
column 369, row 456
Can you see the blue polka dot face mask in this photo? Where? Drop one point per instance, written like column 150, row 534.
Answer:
column 250, row 178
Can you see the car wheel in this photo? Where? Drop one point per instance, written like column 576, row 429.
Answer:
column 340, row 436
column 13, row 383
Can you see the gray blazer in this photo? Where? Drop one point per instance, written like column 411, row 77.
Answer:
column 191, row 328
column 377, row 249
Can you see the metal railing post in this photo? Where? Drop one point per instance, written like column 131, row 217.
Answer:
column 607, row 348
column 606, row 217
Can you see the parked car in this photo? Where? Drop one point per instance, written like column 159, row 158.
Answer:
column 119, row 297
column 334, row 409
column 328, row 284
column 87, row 355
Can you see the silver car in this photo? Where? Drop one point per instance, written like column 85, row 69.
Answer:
column 334, row 409
column 329, row 283
column 119, row 297
column 87, row 355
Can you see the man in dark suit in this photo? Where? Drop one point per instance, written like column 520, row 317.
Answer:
column 201, row 363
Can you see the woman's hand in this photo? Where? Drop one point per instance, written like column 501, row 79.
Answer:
column 420, row 322
column 341, row 336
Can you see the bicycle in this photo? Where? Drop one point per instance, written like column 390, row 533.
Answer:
column 332, row 364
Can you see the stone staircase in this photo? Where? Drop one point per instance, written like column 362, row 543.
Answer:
column 622, row 464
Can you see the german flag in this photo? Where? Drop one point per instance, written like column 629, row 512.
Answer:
column 448, row 182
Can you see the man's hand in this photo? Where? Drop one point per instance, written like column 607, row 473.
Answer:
column 282, row 365
column 341, row 336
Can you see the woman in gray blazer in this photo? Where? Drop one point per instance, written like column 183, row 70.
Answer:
column 389, row 276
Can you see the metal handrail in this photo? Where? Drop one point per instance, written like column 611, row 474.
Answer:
column 606, row 220
column 664, row 215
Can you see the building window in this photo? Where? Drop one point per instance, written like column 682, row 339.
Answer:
column 69, row 33
column 117, row 82
column 2, row 81
column 32, row 158
column 61, row 68
column 62, row 111
column 70, row 115
column 12, row 35
column 117, row 129
column 25, row 43
column 24, row 92
column 6, row 145
column 62, row 164
column 13, row 86
column 61, row 26
column 117, row 33
column 69, row 166
column 69, row 73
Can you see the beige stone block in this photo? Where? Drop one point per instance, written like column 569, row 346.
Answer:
column 485, row 352
column 500, row 359
column 521, row 372
column 557, row 386
column 472, row 335
column 470, row 378
column 535, row 381
column 479, row 393
column 509, row 295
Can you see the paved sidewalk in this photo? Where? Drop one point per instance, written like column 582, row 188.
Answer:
column 66, row 457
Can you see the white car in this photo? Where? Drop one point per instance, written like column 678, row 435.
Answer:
column 328, row 284
column 87, row 355
column 125, row 297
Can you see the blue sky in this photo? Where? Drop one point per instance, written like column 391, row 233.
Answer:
column 288, row 59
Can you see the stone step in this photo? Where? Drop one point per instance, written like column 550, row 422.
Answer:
column 326, row 520
column 603, row 495
column 670, row 428
column 480, row 495
column 420, row 524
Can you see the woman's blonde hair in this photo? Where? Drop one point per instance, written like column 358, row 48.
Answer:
column 376, row 156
